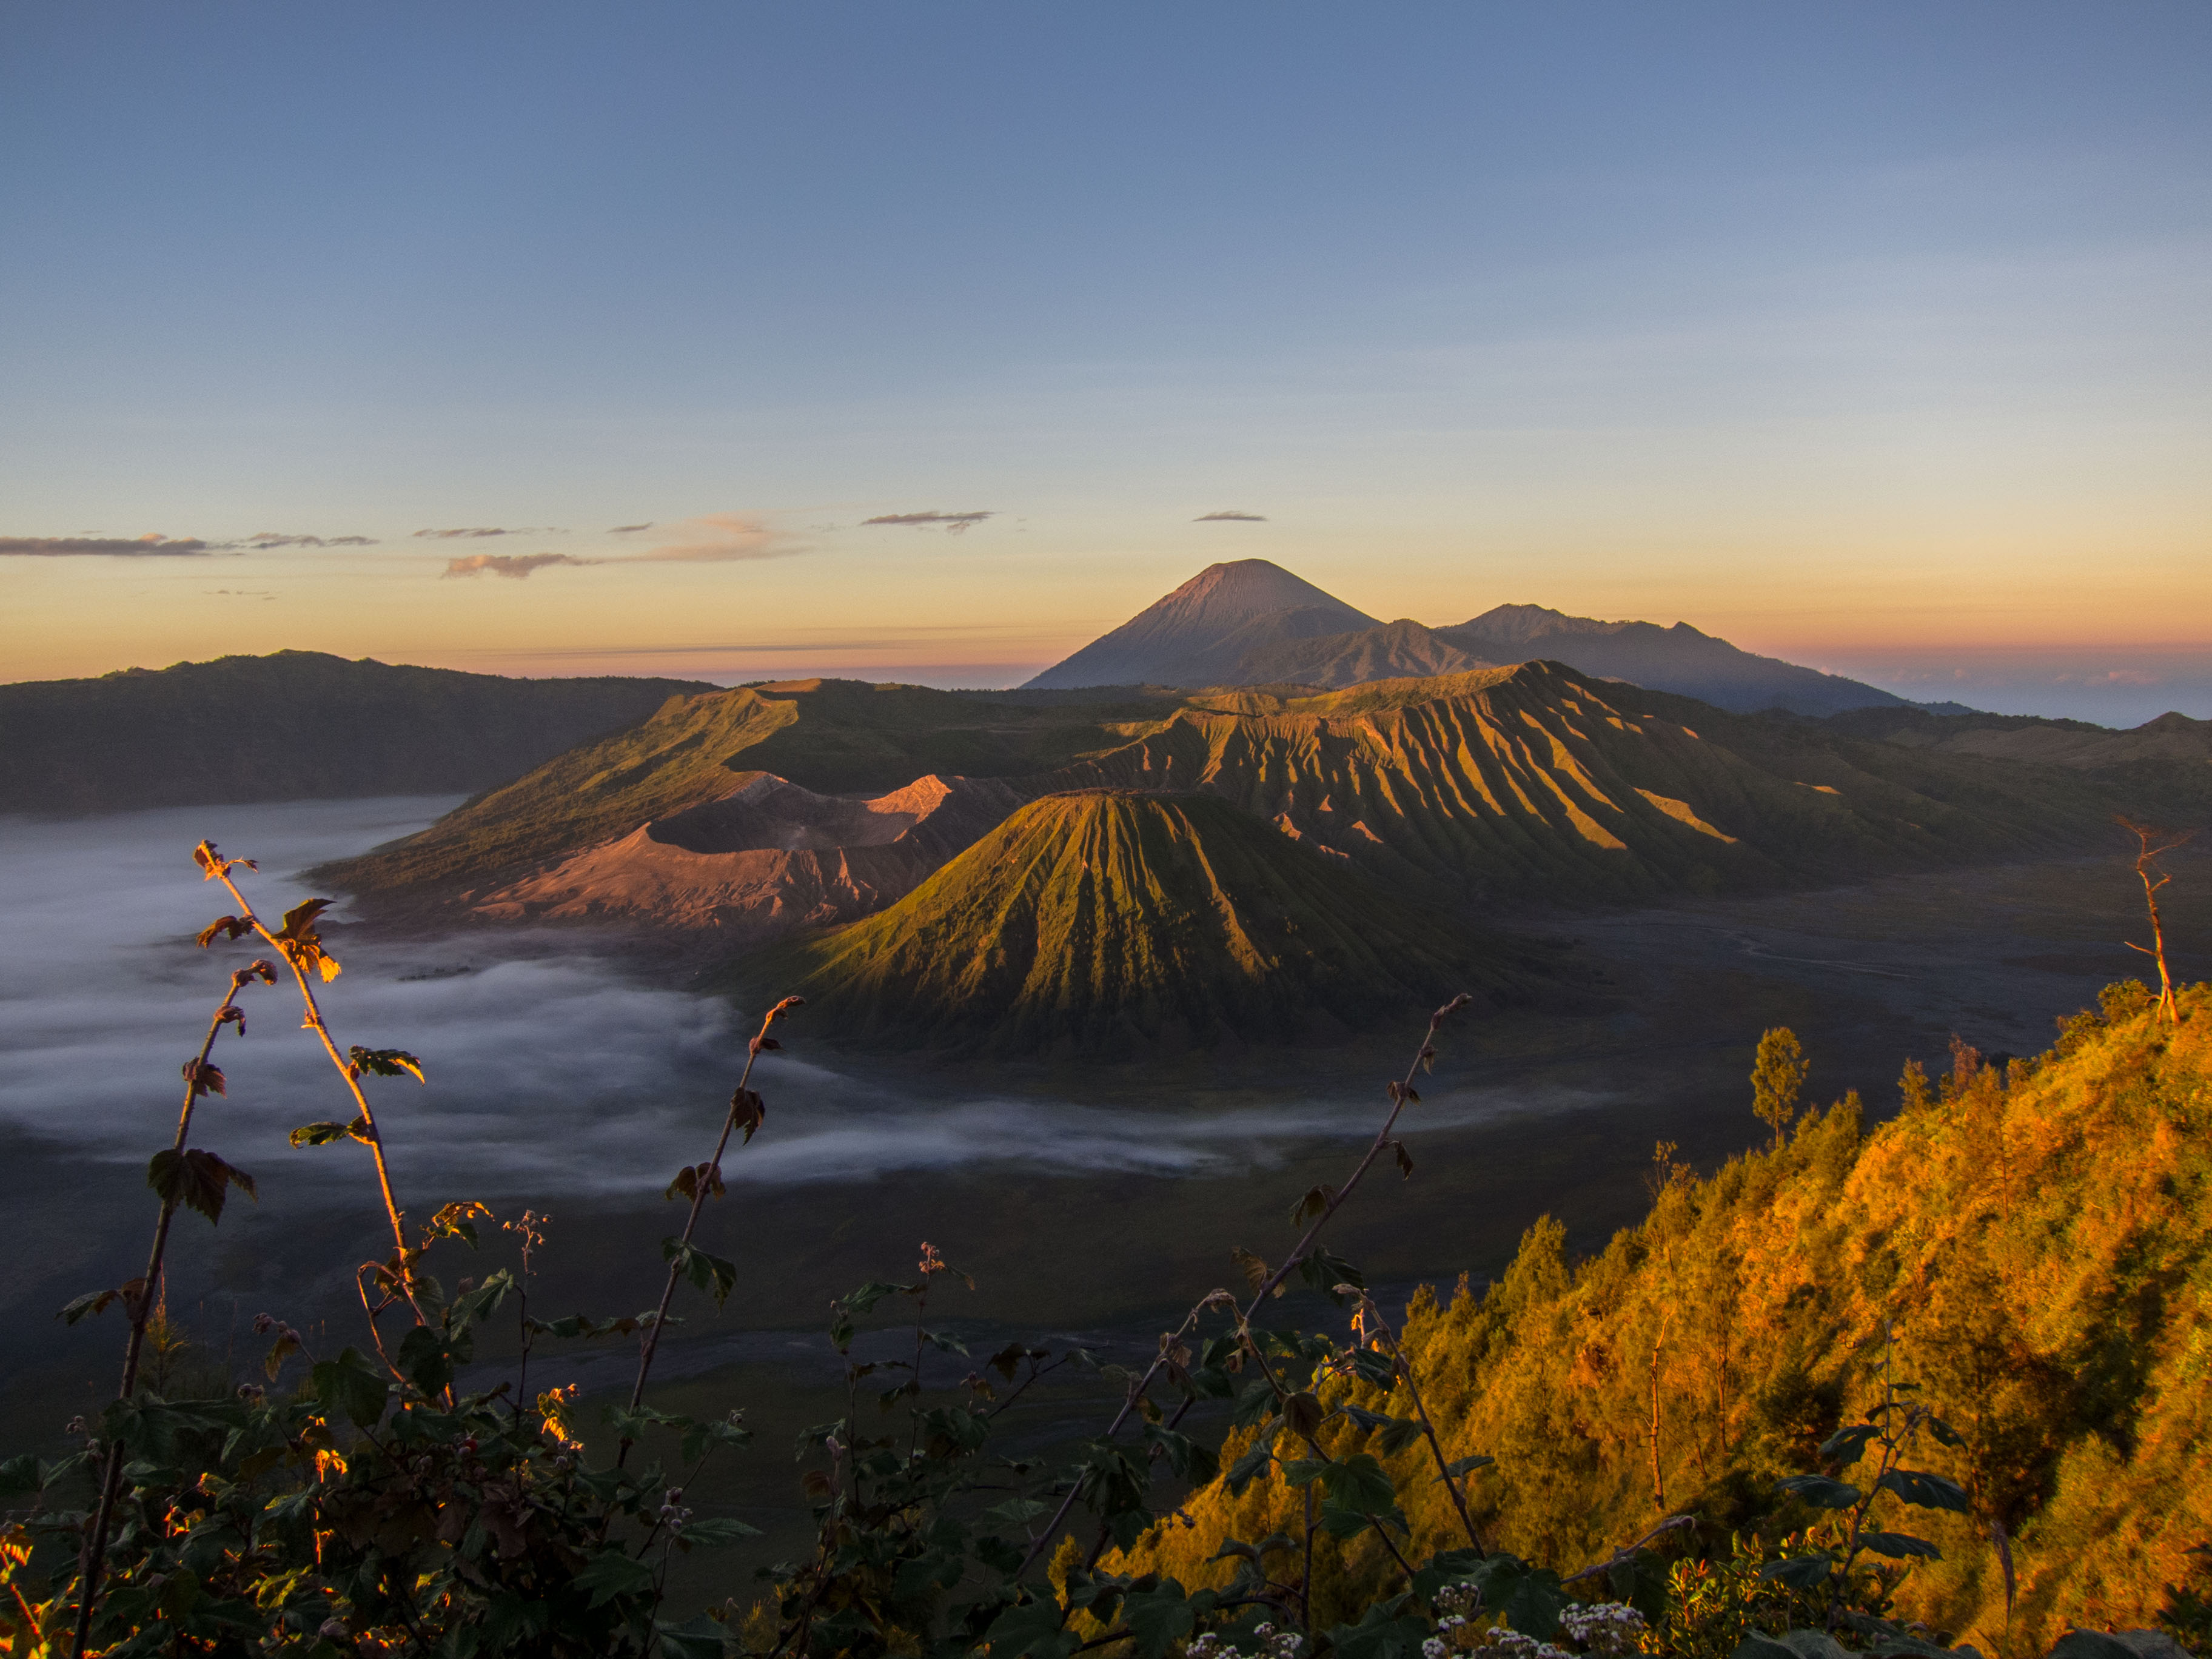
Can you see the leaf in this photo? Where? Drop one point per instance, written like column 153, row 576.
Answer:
column 1248, row 1468
column 1189, row 1459
column 693, row 1178
column 230, row 927
column 1405, row 1159
column 1254, row 1269
column 91, row 1302
column 199, row 1181
column 1385, row 1632
column 1303, row 1411
column 696, row 1638
column 1821, row 1492
column 1901, row 1547
column 300, row 921
column 1316, row 1202
column 1926, row 1491
column 1031, row 1627
column 427, row 1358
column 761, row 1044
column 321, row 1135
column 717, row 1531
column 384, row 1062
column 2089, row 1645
column 1395, row 1438
column 1324, row 1272
column 350, row 1384
column 1847, row 1445
column 205, row 1079
column 1529, row 1598
column 1801, row 1572
column 611, row 1573
column 709, row 1272
column 748, row 1110
column 1460, row 1466
column 1358, row 1482
column 1157, row 1619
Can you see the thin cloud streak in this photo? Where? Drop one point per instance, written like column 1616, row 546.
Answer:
column 1231, row 518
column 516, row 566
column 711, row 538
column 116, row 547
column 953, row 524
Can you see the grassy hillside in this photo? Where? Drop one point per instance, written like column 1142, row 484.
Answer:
column 293, row 725
column 831, row 736
column 1103, row 923
column 2041, row 1238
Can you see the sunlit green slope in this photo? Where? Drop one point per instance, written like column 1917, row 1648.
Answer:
column 1104, row 922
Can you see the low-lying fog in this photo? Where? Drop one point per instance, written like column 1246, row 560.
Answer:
column 551, row 1066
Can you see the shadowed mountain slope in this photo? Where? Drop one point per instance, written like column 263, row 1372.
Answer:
column 1198, row 634
column 1106, row 922
column 1680, row 659
column 293, row 725
column 1534, row 783
column 831, row 736
column 1396, row 650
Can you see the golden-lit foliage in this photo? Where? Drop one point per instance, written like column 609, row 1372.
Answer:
column 2041, row 1237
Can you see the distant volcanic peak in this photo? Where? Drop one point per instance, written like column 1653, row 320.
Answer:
column 1196, row 635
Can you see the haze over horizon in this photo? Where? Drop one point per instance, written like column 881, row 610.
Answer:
column 932, row 346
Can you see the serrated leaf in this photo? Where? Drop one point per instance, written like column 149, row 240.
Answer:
column 611, row 1573
column 1847, row 1445
column 1157, row 1619
column 385, row 1062
column 321, row 1135
column 196, row 1179
column 229, row 928
column 352, row 1385
column 1254, row 1269
column 1821, row 1492
column 1901, row 1547
column 1927, row 1490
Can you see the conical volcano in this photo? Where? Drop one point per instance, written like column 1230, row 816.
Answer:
column 1198, row 633
column 1111, row 922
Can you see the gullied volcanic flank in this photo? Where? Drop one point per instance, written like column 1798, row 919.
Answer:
column 1104, row 921
column 1198, row 634
column 1531, row 782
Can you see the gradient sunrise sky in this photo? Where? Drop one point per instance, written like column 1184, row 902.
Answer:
column 587, row 338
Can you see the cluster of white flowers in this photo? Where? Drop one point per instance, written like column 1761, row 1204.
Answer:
column 1500, row 1642
column 1608, row 1628
column 1273, row 1644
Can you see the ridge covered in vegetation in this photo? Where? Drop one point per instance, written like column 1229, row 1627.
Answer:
column 2030, row 1248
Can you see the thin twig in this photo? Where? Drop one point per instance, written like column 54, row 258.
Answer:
column 141, row 1306
column 701, row 1187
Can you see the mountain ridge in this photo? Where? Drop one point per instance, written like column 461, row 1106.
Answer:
column 295, row 725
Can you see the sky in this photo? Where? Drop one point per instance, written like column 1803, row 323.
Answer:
column 562, row 339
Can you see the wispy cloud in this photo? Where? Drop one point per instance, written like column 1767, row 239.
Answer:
column 629, row 529
column 476, row 531
column 715, row 539
column 263, row 540
column 147, row 546
column 711, row 538
column 951, row 522
column 1231, row 518
column 516, row 565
